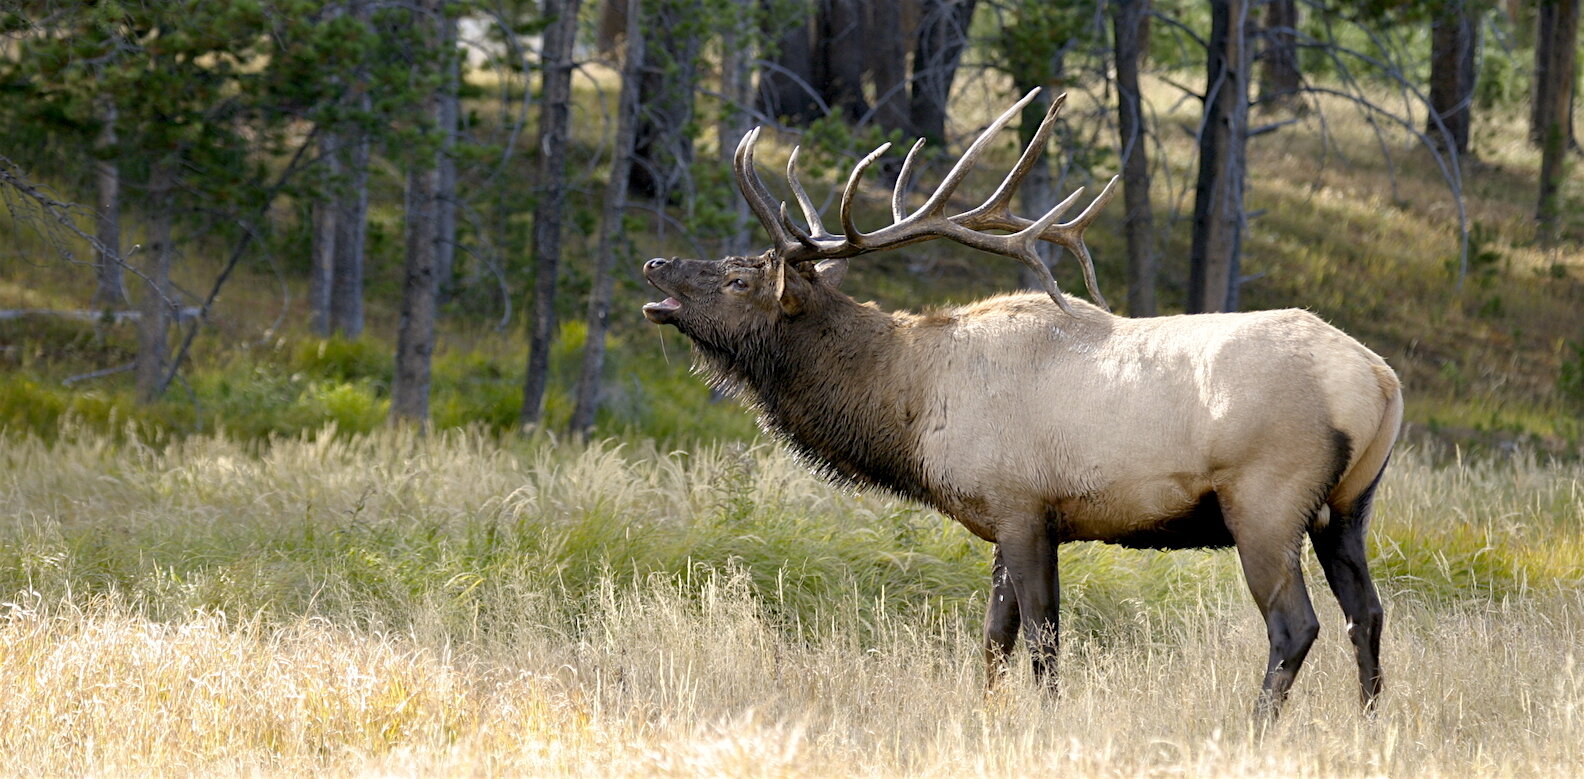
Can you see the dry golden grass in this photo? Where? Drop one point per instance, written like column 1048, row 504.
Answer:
column 327, row 606
column 659, row 684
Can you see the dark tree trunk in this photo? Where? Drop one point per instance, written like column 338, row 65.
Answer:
column 351, row 225
column 664, row 149
column 111, row 289
column 154, row 305
column 942, row 36
column 839, row 69
column 887, row 52
column 735, row 119
column 415, row 333
column 448, row 115
column 1280, row 78
column 326, row 210
column 1130, row 23
column 1453, row 40
column 1555, row 54
column 593, row 366
column 1218, row 196
column 1035, row 196
column 786, row 87
column 351, row 220
column 1560, row 23
column 555, row 112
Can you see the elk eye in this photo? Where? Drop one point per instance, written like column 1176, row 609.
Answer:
column 738, row 285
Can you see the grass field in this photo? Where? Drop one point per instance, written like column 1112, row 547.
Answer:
column 463, row 604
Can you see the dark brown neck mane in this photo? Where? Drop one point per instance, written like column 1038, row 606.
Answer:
column 824, row 382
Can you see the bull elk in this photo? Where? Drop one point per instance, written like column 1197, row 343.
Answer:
column 1033, row 424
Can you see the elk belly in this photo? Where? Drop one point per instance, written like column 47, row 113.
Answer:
column 1179, row 512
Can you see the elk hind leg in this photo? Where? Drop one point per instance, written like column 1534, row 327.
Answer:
column 1269, row 554
column 1340, row 547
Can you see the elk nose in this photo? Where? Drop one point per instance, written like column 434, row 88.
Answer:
column 655, row 264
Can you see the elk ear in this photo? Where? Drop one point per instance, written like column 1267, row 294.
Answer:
column 831, row 272
column 790, row 289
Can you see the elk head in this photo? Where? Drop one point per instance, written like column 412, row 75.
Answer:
column 720, row 299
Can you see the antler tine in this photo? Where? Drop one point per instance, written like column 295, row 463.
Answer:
column 794, row 244
column 810, row 214
column 797, row 232
column 899, row 192
column 999, row 202
column 948, row 185
column 758, row 196
column 855, row 238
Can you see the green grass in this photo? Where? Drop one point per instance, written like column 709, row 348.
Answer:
column 463, row 602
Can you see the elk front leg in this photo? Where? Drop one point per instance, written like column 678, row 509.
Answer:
column 1001, row 622
column 1029, row 553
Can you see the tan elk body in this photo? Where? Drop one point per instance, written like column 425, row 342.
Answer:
column 1033, row 424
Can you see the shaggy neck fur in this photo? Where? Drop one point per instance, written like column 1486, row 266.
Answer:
column 826, row 382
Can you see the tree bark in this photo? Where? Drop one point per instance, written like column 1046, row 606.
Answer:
column 1218, row 196
column 1280, row 78
column 611, row 212
column 786, row 88
column 735, row 118
column 887, row 53
column 351, row 226
column 839, row 70
column 351, row 219
column 1130, row 21
column 664, row 150
column 1560, row 23
column 1453, row 39
column 415, row 334
column 322, row 250
column 111, row 290
column 555, row 113
column 1555, row 56
column 943, row 34
column 154, row 306
column 449, row 115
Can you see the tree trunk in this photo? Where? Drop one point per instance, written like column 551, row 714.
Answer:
column 555, row 113
column 1223, row 137
column 154, row 305
column 736, row 120
column 1556, row 135
column 943, row 34
column 1130, row 23
column 615, row 203
column 449, row 114
column 664, row 150
column 839, row 70
column 351, row 219
column 351, row 226
column 1555, row 52
column 415, row 335
column 786, row 88
column 887, row 53
column 111, row 290
column 1452, row 44
column 1280, row 78
column 322, row 250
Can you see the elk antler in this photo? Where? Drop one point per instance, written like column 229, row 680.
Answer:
column 793, row 244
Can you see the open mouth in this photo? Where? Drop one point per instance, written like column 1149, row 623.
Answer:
column 662, row 311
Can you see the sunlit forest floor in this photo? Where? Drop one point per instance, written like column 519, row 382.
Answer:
column 461, row 605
